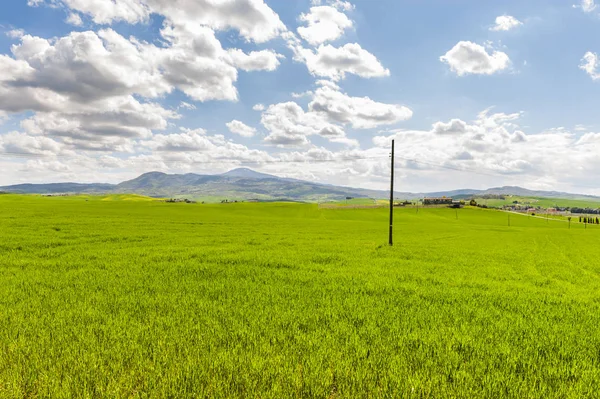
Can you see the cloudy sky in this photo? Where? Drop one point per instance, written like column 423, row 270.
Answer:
column 475, row 93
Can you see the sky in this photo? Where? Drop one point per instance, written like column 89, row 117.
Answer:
column 475, row 94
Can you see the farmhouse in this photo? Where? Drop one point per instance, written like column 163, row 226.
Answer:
column 437, row 201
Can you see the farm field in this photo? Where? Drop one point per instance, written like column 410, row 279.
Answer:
column 123, row 296
column 541, row 201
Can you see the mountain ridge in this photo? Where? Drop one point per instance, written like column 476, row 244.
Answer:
column 244, row 183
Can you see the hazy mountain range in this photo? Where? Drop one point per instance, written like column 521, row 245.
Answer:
column 245, row 184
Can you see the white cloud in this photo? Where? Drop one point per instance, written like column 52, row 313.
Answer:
column 289, row 125
column 22, row 143
column 455, row 126
column 324, row 23
column 81, row 88
column 15, row 33
column 253, row 19
column 259, row 107
column 587, row 6
column 591, row 65
column 360, row 112
column 191, row 140
column 187, row 106
column 327, row 83
column 191, row 146
column 93, row 90
column 471, row 58
column 194, row 63
column 307, row 93
column 506, row 23
column 339, row 4
column 104, row 12
column 335, row 62
column 265, row 60
column 85, row 66
column 328, row 112
column 74, row 19
column 494, row 145
column 241, row 128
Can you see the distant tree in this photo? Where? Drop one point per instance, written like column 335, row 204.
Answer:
column 473, row 202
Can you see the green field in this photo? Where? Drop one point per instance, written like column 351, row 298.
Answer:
column 107, row 297
column 541, row 202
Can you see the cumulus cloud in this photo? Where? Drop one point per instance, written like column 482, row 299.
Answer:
column 471, row 58
column 191, row 140
column 265, row 60
column 241, row 128
column 329, row 111
column 195, row 145
column 23, row 143
column 324, row 24
column 455, row 126
column 15, row 33
column 335, row 62
column 591, row 65
column 119, row 117
column 98, row 86
column 85, row 66
column 338, row 4
column 259, row 107
column 290, row 125
column 253, row 19
column 506, row 23
column 74, row 19
column 359, row 112
column 495, row 145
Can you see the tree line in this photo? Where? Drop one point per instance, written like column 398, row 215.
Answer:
column 589, row 220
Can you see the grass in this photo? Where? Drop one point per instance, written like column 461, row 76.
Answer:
column 140, row 298
column 542, row 202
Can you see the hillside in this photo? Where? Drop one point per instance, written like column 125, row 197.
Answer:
column 246, row 184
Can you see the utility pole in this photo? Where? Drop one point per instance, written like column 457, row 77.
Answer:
column 392, row 199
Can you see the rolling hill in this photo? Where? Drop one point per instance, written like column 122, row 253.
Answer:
column 246, row 184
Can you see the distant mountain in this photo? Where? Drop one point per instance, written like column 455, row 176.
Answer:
column 245, row 184
column 53, row 188
column 523, row 192
column 248, row 174
column 237, row 184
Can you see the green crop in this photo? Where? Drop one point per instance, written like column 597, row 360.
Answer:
column 130, row 297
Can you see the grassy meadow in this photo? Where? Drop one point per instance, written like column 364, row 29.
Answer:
column 542, row 202
column 123, row 296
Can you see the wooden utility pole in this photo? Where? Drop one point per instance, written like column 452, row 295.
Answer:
column 392, row 199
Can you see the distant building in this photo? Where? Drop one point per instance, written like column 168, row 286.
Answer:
column 437, row 201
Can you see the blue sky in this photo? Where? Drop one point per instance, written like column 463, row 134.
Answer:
column 476, row 94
